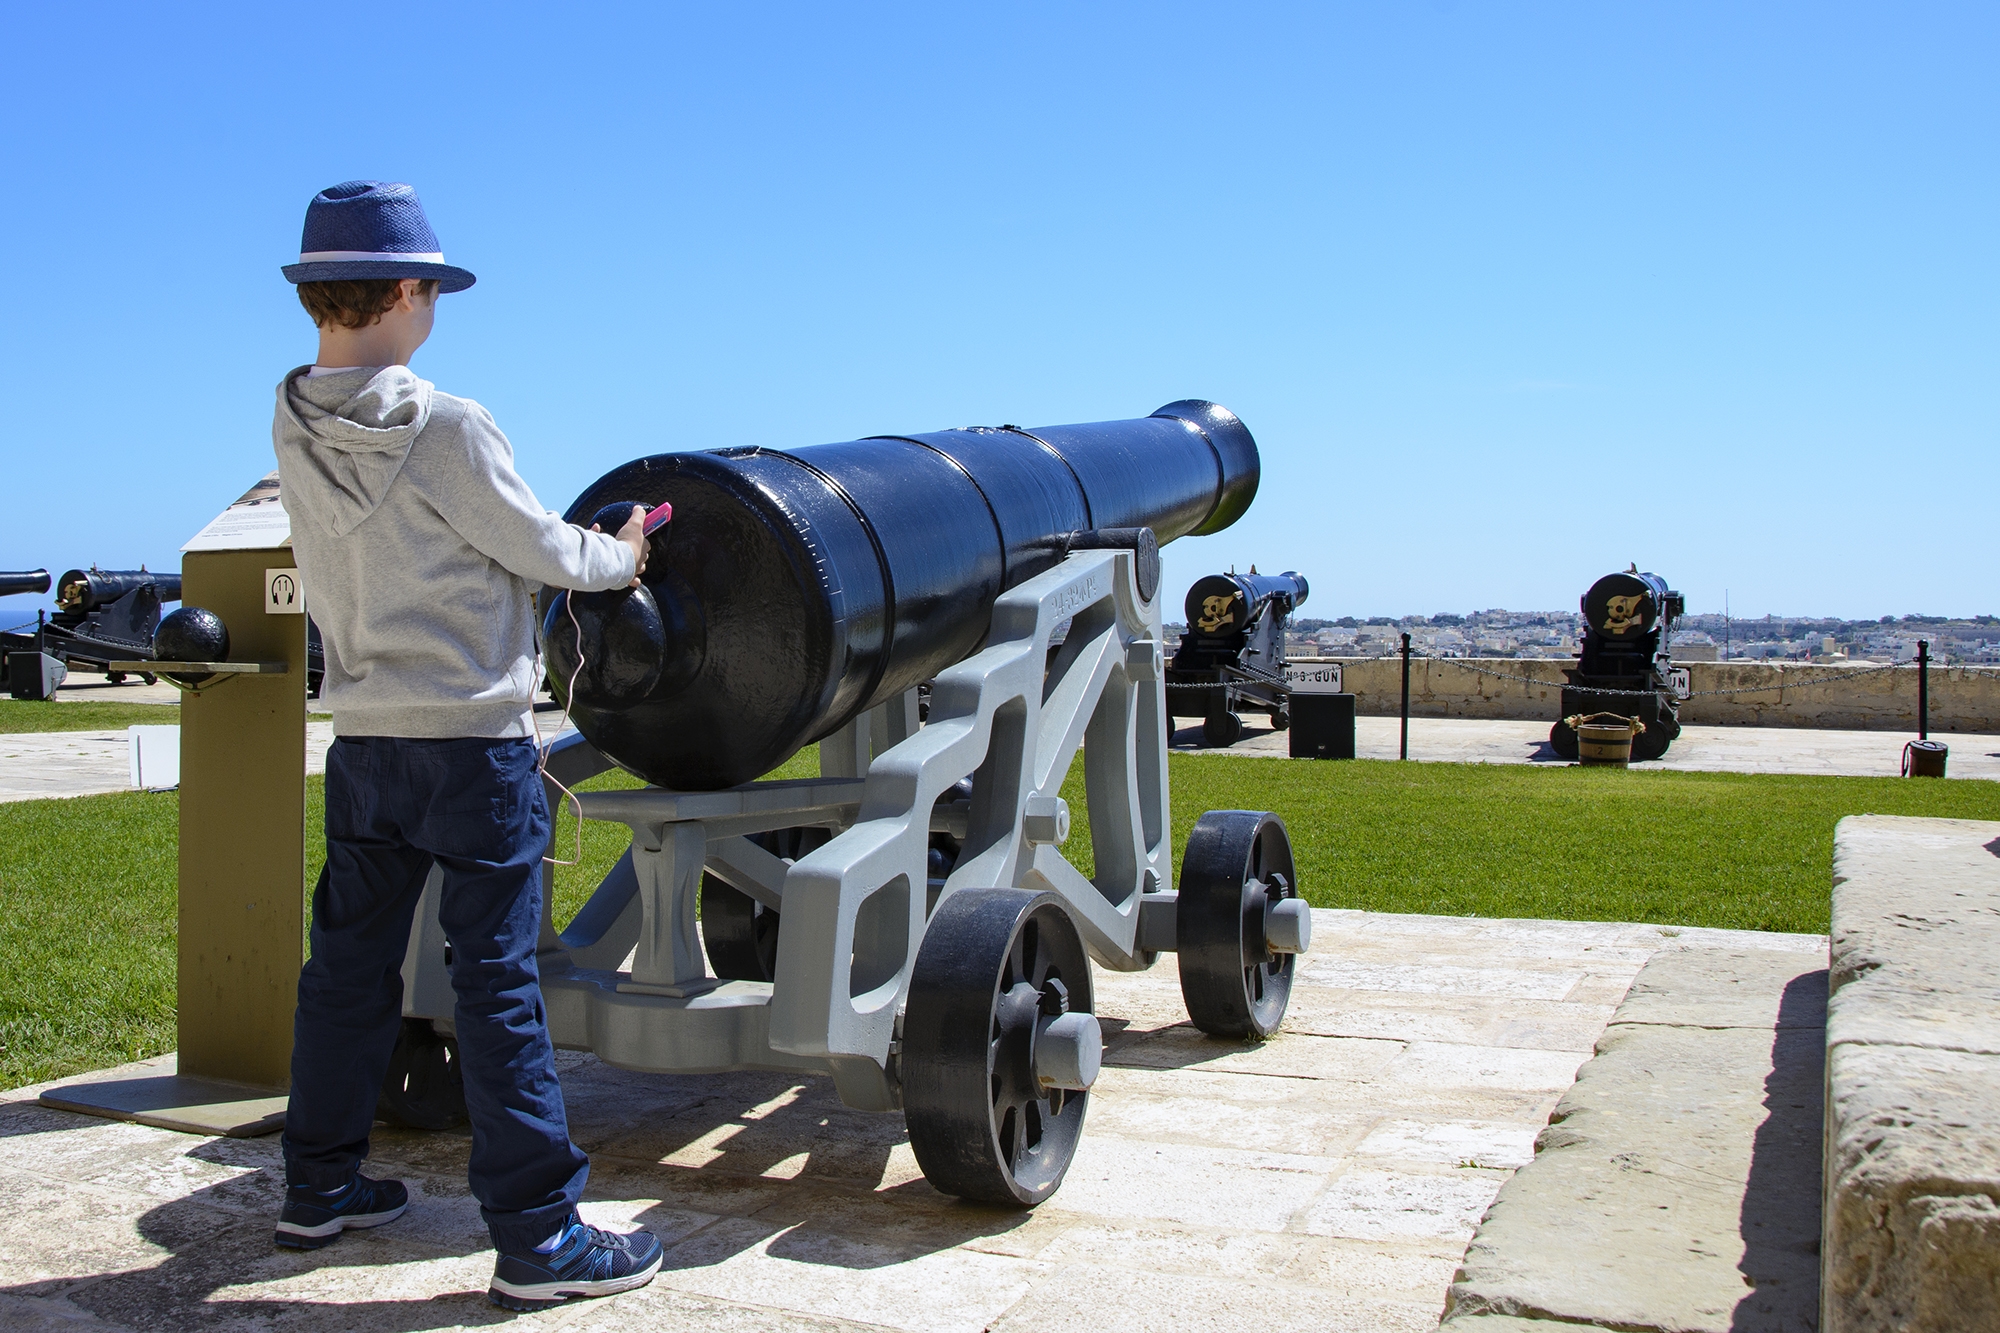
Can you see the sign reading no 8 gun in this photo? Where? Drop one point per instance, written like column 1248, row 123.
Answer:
column 1313, row 677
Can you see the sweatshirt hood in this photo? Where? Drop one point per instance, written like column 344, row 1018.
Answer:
column 345, row 437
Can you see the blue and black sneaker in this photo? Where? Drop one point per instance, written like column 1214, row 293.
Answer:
column 585, row 1262
column 311, row 1219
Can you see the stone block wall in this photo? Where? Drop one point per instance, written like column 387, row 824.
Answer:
column 1962, row 699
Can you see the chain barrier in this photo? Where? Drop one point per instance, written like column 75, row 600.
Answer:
column 1467, row 663
column 1250, row 674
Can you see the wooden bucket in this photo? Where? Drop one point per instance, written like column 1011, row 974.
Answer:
column 1605, row 739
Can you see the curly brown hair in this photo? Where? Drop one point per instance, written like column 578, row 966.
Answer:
column 355, row 303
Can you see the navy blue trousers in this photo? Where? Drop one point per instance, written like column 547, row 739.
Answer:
column 475, row 808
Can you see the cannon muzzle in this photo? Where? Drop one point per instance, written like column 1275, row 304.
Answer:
column 1628, row 605
column 25, row 580
column 794, row 589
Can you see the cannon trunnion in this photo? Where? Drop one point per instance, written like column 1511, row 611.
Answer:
column 1232, row 655
column 908, row 922
column 1623, row 665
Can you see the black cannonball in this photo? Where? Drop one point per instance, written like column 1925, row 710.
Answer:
column 618, row 658
column 191, row 634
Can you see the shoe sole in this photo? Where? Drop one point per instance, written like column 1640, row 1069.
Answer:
column 542, row 1295
column 295, row 1237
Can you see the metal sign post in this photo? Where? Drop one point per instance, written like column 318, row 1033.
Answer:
column 1405, row 752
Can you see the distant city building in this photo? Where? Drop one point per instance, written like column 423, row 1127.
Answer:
column 1699, row 638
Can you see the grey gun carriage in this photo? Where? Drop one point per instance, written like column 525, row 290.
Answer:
column 909, row 923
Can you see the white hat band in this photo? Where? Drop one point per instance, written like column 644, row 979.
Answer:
column 346, row 256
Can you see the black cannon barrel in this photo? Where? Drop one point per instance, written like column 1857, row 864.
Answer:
column 90, row 589
column 795, row 589
column 1628, row 604
column 1224, row 604
column 24, row 580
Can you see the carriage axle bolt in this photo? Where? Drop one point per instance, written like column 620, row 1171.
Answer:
column 1143, row 659
column 1288, row 926
column 1046, row 820
column 1068, row 1052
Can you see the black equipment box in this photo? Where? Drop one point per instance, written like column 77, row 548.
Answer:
column 1322, row 726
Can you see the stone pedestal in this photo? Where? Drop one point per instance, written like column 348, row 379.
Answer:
column 1912, row 1220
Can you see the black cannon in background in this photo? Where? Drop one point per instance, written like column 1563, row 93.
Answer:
column 1623, row 665
column 105, row 616
column 33, row 679
column 794, row 590
column 1232, row 655
column 101, row 616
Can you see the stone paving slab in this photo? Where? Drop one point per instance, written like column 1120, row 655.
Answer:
column 1677, row 1186
column 1697, row 749
column 131, row 690
column 38, row 765
column 83, row 763
column 1327, row 1179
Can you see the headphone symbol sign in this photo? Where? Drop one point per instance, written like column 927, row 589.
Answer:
column 284, row 593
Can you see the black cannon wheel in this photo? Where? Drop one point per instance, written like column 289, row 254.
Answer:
column 1562, row 739
column 1654, row 740
column 1281, row 719
column 739, row 933
column 1221, row 730
column 424, row 1088
column 993, row 963
column 1237, row 862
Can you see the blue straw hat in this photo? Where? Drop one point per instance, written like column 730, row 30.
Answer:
column 371, row 229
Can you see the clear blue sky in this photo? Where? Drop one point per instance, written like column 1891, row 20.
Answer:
column 1511, row 294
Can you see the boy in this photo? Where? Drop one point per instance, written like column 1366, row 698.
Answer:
column 421, row 549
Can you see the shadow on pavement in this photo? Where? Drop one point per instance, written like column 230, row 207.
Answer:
column 1780, row 1218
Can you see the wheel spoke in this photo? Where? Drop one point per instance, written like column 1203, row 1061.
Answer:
column 1015, row 969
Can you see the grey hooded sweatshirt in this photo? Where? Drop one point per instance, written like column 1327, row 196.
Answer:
column 422, row 550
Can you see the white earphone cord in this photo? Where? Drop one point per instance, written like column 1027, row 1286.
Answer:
column 542, row 748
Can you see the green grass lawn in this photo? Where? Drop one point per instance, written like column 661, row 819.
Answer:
column 87, row 884
column 18, row 716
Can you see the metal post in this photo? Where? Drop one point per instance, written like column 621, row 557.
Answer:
column 1406, row 698
column 1923, row 689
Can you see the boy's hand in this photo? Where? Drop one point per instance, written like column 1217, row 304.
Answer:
column 633, row 534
